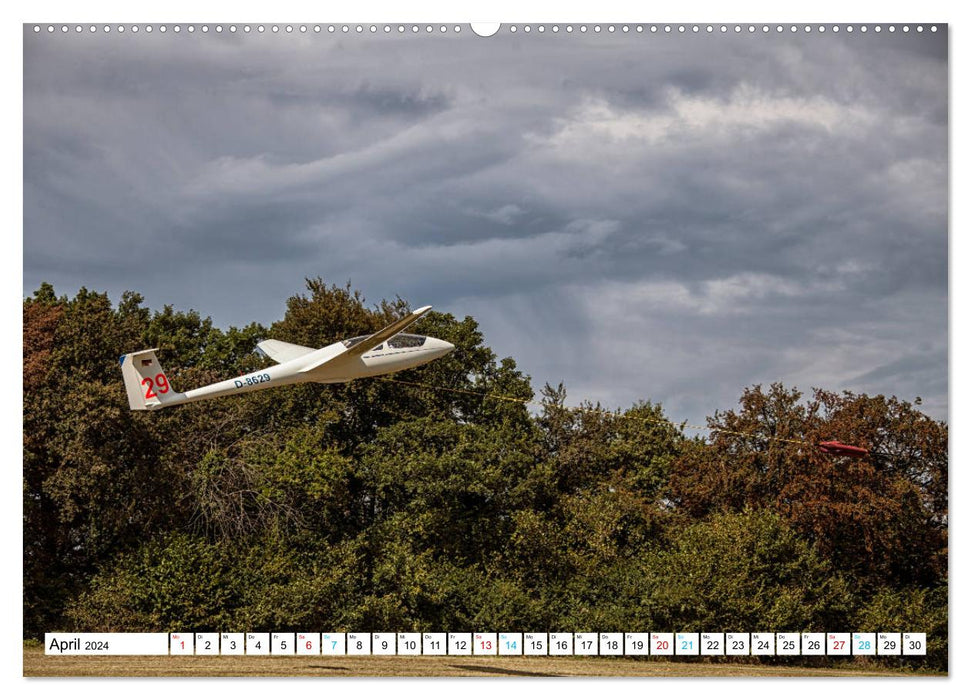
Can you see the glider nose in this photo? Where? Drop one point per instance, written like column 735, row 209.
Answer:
column 442, row 347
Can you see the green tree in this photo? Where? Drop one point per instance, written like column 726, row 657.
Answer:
column 909, row 610
column 743, row 571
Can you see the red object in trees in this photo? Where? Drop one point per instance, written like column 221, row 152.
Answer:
column 838, row 448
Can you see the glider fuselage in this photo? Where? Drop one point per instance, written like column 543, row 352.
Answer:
column 389, row 350
column 335, row 369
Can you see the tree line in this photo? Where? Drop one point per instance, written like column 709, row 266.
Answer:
column 382, row 506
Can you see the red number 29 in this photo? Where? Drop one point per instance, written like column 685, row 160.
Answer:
column 161, row 382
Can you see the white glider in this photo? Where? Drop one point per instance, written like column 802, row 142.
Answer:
column 383, row 352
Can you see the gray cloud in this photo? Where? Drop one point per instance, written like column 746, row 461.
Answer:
column 664, row 217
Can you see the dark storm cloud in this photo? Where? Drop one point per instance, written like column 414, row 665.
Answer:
column 673, row 217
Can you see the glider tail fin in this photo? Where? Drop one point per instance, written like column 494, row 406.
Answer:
column 145, row 381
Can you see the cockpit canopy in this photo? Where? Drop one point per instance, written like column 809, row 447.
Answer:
column 402, row 340
column 406, row 340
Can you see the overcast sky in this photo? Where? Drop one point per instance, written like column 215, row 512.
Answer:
column 665, row 217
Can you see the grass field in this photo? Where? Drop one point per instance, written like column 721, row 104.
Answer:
column 38, row 665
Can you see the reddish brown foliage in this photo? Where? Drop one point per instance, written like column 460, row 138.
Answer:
column 881, row 519
column 40, row 322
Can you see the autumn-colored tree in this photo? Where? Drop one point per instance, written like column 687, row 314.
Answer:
column 882, row 518
column 40, row 323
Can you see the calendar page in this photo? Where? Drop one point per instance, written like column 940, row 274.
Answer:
column 534, row 349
